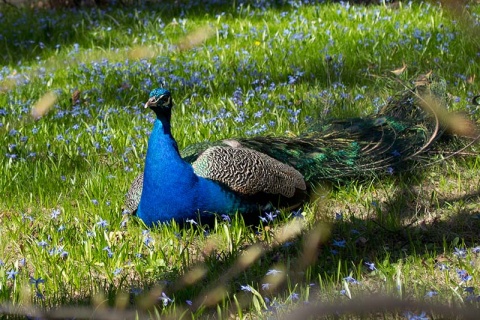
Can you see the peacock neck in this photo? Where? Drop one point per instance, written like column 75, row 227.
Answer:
column 164, row 117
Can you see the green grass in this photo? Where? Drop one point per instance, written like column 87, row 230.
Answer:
column 292, row 65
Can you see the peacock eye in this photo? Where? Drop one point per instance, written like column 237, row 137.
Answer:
column 164, row 100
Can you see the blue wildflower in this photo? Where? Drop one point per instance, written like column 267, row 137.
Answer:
column 371, row 266
column 102, row 223
column 350, row 279
column 109, row 251
column 431, row 293
column 339, row 243
column 411, row 316
column 460, row 253
column 11, row 274
column 271, row 215
column 55, row 213
column 63, row 254
column 469, row 290
column 442, row 266
column 246, row 288
column 36, row 282
column 191, row 221
column 42, row 244
column 273, row 272
column 165, row 299
column 463, row 275
column 294, row 296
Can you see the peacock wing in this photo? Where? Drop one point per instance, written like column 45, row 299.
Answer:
column 132, row 198
column 247, row 171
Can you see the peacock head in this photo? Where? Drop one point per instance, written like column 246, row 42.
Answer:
column 159, row 99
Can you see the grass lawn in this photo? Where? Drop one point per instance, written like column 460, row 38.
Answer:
column 265, row 68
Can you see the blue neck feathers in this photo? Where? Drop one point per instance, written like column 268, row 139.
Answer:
column 171, row 190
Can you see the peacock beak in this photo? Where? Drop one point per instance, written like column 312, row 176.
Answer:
column 150, row 103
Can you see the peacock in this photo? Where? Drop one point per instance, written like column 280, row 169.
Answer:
column 251, row 175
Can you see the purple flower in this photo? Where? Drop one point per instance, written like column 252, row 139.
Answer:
column 11, row 274
column 469, row 290
column 270, row 216
column 109, row 251
column 298, row 214
column 39, row 295
column 350, row 279
column 265, row 286
column 370, row 266
column 431, row 293
column 42, row 244
column 55, row 213
column 148, row 241
column 442, row 266
column 191, row 221
column 63, row 254
column 395, row 153
column 246, row 288
column 460, row 253
column 102, row 223
column 273, row 272
column 339, row 243
column 36, row 282
column 463, row 275
column 294, row 296
column 165, row 299
column 411, row 316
